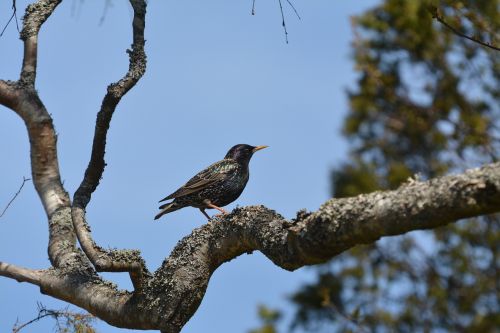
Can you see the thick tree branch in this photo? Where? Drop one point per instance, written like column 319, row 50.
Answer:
column 101, row 298
column 116, row 260
column 340, row 224
column 169, row 298
column 42, row 136
column 316, row 237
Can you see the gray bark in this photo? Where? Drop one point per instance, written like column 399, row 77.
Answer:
column 166, row 299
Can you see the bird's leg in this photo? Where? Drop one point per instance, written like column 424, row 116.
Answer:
column 204, row 213
column 223, row 212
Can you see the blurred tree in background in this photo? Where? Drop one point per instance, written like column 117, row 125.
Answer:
column 269, row 320
column 426, row 102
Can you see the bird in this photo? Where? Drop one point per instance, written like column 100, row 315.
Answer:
column 216, row 186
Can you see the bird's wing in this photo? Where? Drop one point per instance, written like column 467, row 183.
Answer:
column 215, row 172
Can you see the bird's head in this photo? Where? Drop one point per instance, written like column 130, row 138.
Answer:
column 242, row 153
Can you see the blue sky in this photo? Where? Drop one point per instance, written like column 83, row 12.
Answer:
column 217, row 76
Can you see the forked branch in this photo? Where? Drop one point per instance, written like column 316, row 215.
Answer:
column 109, row 260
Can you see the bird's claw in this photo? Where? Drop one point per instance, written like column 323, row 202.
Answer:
column 221, row 214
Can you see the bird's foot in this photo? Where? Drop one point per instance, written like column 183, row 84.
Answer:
column 221, row 210
column 221, row 214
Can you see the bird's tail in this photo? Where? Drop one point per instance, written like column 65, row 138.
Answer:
column 167, row 208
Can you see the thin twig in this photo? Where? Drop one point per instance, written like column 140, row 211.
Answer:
column 15, row 196
column 14, row 15
column 348, row 318
column 440, row 19
column 283, row 21
column 43, row 312
column 107, row 4
column 293, row 7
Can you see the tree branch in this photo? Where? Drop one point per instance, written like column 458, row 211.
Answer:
column 20, row 274
column 109, row 261
column 72, row 279
column 172, row 295
column 21, row 97
column 314, row 238
column 9, row 95
column 283, row 23
column 15, row 196
column 137, row 67
column 436, row 15
column 44, row 163
column 36, row 14
column 75, row 320
column 116, row 260
column 169, row 298
column 340, row 224
column 13, row 16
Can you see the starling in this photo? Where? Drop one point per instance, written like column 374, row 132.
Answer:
column 216, row 186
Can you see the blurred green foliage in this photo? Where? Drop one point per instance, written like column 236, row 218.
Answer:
column 426, row 102
column 269, row 320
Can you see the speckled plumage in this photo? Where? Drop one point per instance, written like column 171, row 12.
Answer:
column 216, row 186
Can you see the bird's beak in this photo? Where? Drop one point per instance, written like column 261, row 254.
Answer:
column 259, row 148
